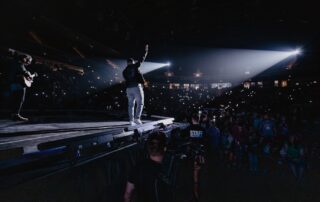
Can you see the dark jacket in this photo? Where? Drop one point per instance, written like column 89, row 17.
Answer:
column 132, row 75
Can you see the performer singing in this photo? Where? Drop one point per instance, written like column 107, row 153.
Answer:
column 134, row 83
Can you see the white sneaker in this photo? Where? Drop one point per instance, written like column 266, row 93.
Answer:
column 18, row 117
column 132, row 123
column 138, row 121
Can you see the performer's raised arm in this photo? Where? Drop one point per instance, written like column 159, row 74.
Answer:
column 146, row 49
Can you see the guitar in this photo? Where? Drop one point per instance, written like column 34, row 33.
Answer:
column 27, row 80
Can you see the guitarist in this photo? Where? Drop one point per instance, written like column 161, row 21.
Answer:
column 20, row 72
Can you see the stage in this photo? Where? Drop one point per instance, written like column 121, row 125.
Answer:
column 30, row 137
column 33, row 150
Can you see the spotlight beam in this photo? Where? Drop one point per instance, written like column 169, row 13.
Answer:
column 148, row 67
column 296, row 52
column 238, row 65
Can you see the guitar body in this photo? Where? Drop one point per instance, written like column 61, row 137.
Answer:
column 27, row 81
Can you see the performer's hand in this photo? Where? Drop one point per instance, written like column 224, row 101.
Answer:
column 147, row 48
column 146, row 84
column 27, row 74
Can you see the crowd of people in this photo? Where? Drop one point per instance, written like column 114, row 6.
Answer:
column 263, row 131
column 249, row 132
column 256, row 142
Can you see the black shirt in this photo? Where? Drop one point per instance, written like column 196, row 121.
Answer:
column 11, row 68
column 132, row 75
column 148, row 185
column 20, row 71
column 197, row 133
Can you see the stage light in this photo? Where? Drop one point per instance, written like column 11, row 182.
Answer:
column 197, row 74
column 169, row 74
column 147, row 67
column 296, row 52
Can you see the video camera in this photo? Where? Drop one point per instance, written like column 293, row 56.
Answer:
column 190, row 150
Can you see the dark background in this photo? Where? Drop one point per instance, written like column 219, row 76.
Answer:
column 117, row 28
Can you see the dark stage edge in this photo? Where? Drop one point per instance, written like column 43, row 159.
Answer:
column 25, row 138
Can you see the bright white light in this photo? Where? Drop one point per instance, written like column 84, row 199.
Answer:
column 238, row 65
column 197, row 74
column 296, row 52
column 169, row 74
column 147, row 67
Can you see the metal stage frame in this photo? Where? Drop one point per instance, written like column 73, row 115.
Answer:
column 25, row 146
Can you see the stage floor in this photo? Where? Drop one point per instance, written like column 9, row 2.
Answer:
column 29, row 135
column 10, row 127
column 21, row 134
column 31, row 150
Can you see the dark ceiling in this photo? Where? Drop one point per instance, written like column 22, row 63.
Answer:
column 118, row 27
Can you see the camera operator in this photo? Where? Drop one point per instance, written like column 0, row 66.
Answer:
column 199, row 140
column 145, row 178
column 196, row 132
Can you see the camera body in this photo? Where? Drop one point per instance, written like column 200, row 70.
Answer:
column 182, row 153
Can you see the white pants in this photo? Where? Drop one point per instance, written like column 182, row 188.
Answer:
column 135, row 95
